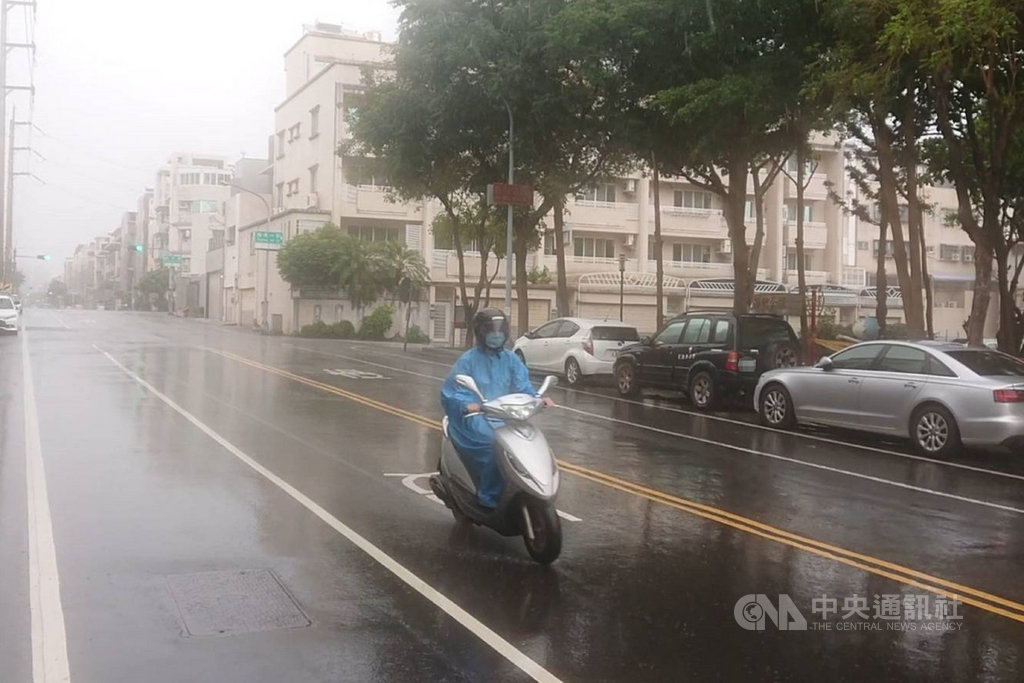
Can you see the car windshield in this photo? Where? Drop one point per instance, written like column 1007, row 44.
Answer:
column 759, row 332
column 6, row 303
column 989, row 363
column 615, row 334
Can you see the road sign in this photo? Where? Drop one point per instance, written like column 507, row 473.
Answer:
column 172, row 259
column 503, row 193
column 269, row 240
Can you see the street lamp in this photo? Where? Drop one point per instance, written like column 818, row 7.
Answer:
column 622, row 274
column 266, row 263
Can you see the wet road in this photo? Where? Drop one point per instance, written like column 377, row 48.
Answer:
column 181, row 501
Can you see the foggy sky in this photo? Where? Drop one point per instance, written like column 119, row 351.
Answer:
column 123, row 84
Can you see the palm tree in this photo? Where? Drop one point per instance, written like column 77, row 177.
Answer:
column 360, row 272
column 405, row 275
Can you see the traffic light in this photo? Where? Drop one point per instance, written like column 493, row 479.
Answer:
column 43, row 257
column 139, row 247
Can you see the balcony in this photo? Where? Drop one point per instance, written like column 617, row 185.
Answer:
column 618, row 217
column 812, row 277
column 373, row 200
column 815, row 235
column 677, row 220
column 854, row 277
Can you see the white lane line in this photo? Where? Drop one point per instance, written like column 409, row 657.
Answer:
column 409, row 482
column 803, row 463
column 741, row 423
column 49, row 638
column 361, row 360
column 471, row 623
column 58, row 319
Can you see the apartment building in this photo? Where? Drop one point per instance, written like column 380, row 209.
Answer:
column 188, row 209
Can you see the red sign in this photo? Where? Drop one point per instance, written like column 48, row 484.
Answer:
column 516, row 195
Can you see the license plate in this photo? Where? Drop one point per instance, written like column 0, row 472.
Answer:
column 748, row 364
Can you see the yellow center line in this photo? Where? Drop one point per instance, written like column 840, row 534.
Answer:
column 905, row 575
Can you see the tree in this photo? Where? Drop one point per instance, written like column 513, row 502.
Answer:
column 361, row 272
column 405, row 276
column 153, row 285
column 969, row 54
column 801, row 179
column 57, row 291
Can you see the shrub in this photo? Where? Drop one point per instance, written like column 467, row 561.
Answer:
column 343, row 330
column 417, row 336
column 377, row 324
column 896, row 331
column 317, row 330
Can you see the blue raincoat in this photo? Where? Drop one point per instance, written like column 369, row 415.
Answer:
column 496, row 373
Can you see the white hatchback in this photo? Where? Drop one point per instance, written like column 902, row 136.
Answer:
column 8, row 314
column 575, row 347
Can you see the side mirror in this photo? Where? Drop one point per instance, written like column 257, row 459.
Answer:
column 825, row 363
column 530, row 335
column 646, row 340
column 549, row 382
column 467, row 382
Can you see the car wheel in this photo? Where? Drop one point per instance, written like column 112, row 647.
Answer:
column 626, row 380
column 776, row 407
column 573, row 373
column 934, row 431
column 703, row 393
column 781, row 355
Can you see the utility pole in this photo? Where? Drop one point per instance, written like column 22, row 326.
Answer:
column 6, row 169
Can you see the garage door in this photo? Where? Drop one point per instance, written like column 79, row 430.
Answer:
column 540, row 312
column 644, row 318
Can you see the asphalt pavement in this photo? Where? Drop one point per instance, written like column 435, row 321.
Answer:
column 185, row 501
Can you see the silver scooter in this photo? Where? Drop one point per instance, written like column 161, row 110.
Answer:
column 527, row 503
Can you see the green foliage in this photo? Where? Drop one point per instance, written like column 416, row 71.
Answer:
column 539, row 276
column 313, row 259
column 417, row 336
column 828, row 328
column 321, row 330
column 376, row 325
column 343, row 329
column 154, row 282
column 896, row 331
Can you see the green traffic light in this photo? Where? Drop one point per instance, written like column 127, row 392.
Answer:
column 43, row 257
column 139, row 247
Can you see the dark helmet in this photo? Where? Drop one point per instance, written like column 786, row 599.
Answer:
column 489, row 320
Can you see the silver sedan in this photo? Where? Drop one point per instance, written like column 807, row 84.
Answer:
column 940, row 395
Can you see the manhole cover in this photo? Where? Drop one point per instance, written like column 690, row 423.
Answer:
column 230, row 603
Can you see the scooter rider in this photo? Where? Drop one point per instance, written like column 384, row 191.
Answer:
column 497, row 371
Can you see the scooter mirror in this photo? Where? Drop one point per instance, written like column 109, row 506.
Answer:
column 549, row 382
column 467, row 382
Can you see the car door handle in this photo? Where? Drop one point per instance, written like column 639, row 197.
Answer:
column 910, row 385
column 853, row 380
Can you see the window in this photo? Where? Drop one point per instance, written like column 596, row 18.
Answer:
column 809, row 166
column 314, row 122
column 938, row 368
column 600, row 193
column 691, row 253
column 549, row 243
column 567, row 329
column 950, row 219
column 184, row 207
column 721, row 333
column 856, row 357
column 186, row 264
column 748, row 210
column 949, row 252
column 593, row 247
column 280, row 145
column 791, row 261
column 698, row 331
column 204, row 206
column 757, row 333
column 888, row 248
column 988, row 363
column 863, row 246
column 295, row 132
column 293, row 187
column 652, row 253
column 280, row 194
column 312, row 177
column 338, row 310
column 625, row 334
column 190, row 178
column 371, row 233
column 692, row 199
column 967, row 253
column 670, row 335
column 317, row 313
column 548, row 331
column 790, row 210
column 904, row 359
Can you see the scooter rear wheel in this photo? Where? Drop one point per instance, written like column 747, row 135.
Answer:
column 546, row 544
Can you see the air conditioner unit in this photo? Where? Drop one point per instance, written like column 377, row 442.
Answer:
column 631, row 185
column 726, row 247
column 313, row 201
column 567, row 236
column 630, row 240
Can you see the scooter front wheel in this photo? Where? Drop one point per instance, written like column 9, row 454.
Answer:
column 543, row 536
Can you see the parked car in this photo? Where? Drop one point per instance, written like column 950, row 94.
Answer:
column 575, row 347
column 709, row 355
column 17, row 302
column 938, row 394
column 8, row 314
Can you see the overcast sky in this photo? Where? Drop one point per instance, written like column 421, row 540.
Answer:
column 123, row 84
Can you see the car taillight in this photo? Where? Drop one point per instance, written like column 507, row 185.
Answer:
column 1008, row 395
column 732, row 362
column 588, row 345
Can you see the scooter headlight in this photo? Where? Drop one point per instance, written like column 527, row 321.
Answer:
column 521, row 412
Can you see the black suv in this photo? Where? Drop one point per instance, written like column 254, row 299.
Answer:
column 709, row 355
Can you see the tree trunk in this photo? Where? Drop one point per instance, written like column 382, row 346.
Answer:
column 1007, row 334
column 733, row 202
column 983, row 256
column 408, row 315
column 891, row 214
column 522, row 285
column 562, row 287
column 881, row 280
column 801, row 269
column 755, row 251
column 659, row 264
column 929, row 304
column 915, row 229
